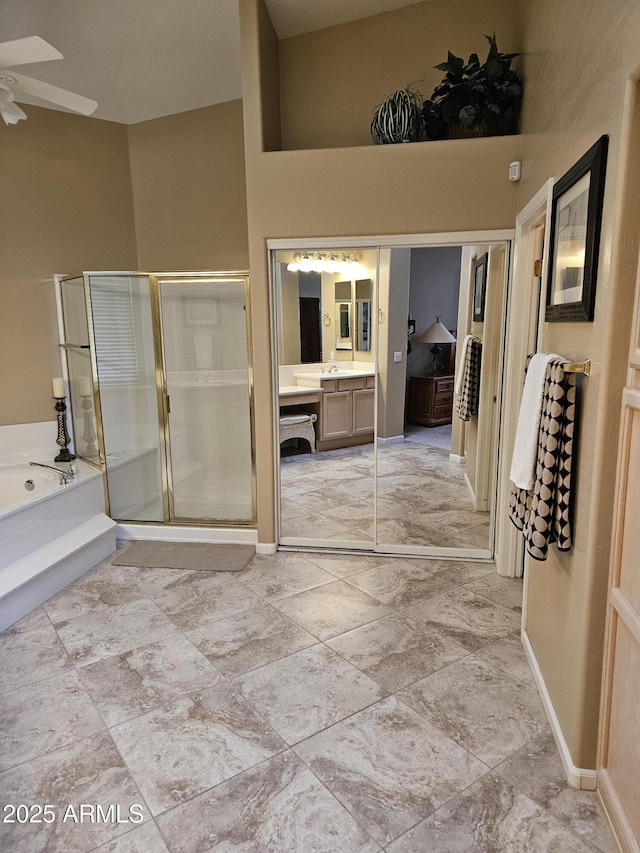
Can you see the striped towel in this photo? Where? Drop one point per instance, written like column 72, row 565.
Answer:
column 542, row 512
column 468, row 395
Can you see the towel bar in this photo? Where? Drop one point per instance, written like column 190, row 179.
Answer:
column 578, row 367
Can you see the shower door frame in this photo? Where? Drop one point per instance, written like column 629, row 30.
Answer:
column 154, row 280
column 377, row 243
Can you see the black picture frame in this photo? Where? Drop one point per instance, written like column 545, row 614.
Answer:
column 479, row 287
column 576, row 216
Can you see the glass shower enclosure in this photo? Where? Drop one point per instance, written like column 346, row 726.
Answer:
column 160, row 389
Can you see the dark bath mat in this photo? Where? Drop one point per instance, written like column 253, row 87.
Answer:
column 198, row 556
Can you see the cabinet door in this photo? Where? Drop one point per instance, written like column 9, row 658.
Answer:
column 336, row 414
column 363, row 411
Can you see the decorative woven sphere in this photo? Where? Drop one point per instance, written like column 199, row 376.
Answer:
column 398, row 118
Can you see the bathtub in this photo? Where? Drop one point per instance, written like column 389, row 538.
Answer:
column 50, row 533
column 23, row 484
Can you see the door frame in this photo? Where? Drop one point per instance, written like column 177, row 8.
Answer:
column 377, row 242
column 523, row 323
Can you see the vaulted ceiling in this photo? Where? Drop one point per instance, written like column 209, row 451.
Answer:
column 142, row 59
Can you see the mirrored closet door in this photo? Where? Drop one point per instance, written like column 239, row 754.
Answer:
column 377, row 450
column 325, row 304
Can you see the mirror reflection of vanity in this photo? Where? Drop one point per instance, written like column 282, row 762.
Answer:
column 325, row 359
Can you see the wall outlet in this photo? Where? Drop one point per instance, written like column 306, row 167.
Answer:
column 397, row 356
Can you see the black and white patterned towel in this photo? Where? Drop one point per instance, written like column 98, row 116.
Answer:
column 542, row 513
column 467, row 399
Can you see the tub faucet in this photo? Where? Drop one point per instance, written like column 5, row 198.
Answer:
column 66, row 477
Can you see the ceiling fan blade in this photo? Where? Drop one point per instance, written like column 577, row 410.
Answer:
column 29, row 49
column 53, row 94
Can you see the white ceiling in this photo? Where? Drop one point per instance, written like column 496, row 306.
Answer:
column 142, row 59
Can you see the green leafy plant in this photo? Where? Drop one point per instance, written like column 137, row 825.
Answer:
column 474, row 98
column 398, row 118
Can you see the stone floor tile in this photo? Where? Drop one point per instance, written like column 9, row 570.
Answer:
column 400, row 583
column 290, row 577
column 30, row 656
column 505, row 591
column 249, row 640
column 277, row 807
column 470, row 620
column 480, row 707
column 135, row 682
column 89, row 771
column 536, row 770
column 41, row 717
column 396, row 651
column 342, row 565
column 204, row 598
column 192, row 744
column 144, row 839
column 331, row 609
column 108, row 632
column 490, row 817
column 508, row 654
column 307, row 691
column 103, row 587
column 389, row 767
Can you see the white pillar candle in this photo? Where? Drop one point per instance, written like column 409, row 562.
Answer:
column 58, row 386
column 84, row 386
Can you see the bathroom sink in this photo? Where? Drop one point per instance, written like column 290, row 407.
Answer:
column 314, row 379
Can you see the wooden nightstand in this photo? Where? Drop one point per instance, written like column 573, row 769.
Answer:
column 430, row 400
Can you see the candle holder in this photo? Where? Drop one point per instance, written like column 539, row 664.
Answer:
column 89, row 434
column 63, row 436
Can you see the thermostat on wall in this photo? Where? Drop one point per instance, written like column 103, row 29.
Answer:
column 514, row 170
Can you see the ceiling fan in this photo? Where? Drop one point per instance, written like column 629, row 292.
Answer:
column 21, row 52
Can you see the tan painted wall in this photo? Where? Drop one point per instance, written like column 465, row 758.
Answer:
column 368, row 190
column 577, row 59
column 189, row 190
column 65, row 206
column 332, row 80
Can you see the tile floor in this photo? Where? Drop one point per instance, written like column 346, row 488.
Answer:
column 313, row 702
column 422, row 496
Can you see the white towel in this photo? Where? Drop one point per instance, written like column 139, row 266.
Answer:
column 525, row 448
column 461, row 363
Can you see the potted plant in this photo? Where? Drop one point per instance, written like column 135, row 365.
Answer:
column 398, row 118
column 474, row 98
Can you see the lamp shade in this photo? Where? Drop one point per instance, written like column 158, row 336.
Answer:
column 436, row 334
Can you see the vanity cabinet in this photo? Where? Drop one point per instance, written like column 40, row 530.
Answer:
column 430, row 400
column 348, row 412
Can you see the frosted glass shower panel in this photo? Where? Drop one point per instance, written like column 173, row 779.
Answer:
column 121, row 315
column 204, row 332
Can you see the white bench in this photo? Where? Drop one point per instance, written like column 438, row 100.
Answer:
column 299, row 426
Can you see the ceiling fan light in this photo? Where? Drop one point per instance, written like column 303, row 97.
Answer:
column 10, row 112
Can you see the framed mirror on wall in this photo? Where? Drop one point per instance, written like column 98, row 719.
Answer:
column 382, row 474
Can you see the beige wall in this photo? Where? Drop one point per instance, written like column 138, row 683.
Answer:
column 65, row 205
column 189, row 190
column 333, row 79
column 368, row 190
column 577, row 60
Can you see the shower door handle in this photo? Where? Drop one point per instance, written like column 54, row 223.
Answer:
column 168, row 403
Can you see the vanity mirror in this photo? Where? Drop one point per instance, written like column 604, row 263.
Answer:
column 343, row 315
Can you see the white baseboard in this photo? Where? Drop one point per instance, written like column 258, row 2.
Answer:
column 392, row 439
column 266, row 547
column 171, row 533
column 577, row 777
column 460, row 460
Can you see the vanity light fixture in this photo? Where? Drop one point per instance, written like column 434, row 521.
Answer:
column 437, row 335
column 331, row 262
